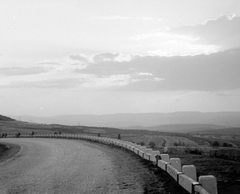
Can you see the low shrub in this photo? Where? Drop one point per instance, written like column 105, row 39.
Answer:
column 180, row 143
column 152, row 144
column 225, row 144
column 142, row 143
column 226, row 154
column 215, row 144
column 193, row 151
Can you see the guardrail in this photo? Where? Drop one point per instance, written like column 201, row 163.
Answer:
column 185, row 176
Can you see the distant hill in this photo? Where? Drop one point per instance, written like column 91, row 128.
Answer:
column 13, row 127
column 176, row 121
column 225, row 131
column 182, row 128
column 99, row 123
column 4, row 118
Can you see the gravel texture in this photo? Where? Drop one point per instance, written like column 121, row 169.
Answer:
column 56, row 166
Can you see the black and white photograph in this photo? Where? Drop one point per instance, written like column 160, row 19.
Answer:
column 119, row 96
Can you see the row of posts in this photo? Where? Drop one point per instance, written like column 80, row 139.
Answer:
column 186, row 175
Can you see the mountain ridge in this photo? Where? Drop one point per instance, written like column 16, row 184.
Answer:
column 149, row 120
column 183, row 128
column 5, row 118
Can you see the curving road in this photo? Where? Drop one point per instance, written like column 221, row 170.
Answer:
column 60, row 166
column 56, row 166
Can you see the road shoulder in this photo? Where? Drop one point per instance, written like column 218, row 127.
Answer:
column 8, row 151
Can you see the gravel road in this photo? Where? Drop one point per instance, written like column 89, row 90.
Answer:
column 56, row 166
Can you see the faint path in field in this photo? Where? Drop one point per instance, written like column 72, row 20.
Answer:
column 164, row 141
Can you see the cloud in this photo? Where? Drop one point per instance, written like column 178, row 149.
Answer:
column 79, row 57
column 223, row 32
column 44, row 74
column 59, row 83
column 65, row 63
column 167, row 43
column 117, row 17
column 162, row 35
column 214, row 72
column 101, row 57
column 107, row 81
column 104, row 57
column 144, row 74
column 47, row 63
column 116, row 82
column 10, row 71
column 212, row 36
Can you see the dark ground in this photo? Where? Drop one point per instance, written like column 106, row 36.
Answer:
column 226, row 172
column 153, row 179
column 8, row 151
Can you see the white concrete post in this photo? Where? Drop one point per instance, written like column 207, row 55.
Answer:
column 147, row 151
column 143, row 148
column 209, row 183
column 187, row 183
column 154, row 154
column 190, row 171
column 165, row 157
column 176, row 163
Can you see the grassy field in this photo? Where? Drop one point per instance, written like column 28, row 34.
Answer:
column 223, row 165
column 233, row 139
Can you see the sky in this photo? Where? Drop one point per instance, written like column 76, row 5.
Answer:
column 61, row 57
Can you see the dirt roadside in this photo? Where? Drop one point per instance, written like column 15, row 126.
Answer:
column 132, row 171
column 8, row 150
